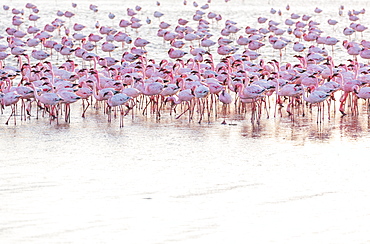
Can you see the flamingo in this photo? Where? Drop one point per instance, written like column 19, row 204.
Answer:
column 50, row 100
column 10, row 98
column 108, row 47
column 290, row 90
column 68, row 97
column 243, row 41
column 39, row 54
column 226, row 99
column 255, row 45
column 207, row 43
column 164, row 25
column 182, row 21
column 298, row 47
column 226, row 50
column 279, row 44
column 347, row 86
column 185, row 95
column 365, row 53
column 316, row 97
column 200, row 93
column 191, row 37
column 177, row 44
column 363, row 92
column 176, row 53
column 117, row 100
column 140, row 42
column 131, row 12
column 84, row 92
column 151, row 89
column 157, row 14
column 127, row 56
column 33, row 42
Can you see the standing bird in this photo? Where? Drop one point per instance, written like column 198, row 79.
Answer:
column 111, row 15
column 10, row 98
column 176, row 53
column 50, row 100
column 158, row 14
column 226, row 99
column 39, row 54
column 117, row 100
column 108, row 47
column 78, row 27
column 298, row 47
column 140, row 42
column 316, row 97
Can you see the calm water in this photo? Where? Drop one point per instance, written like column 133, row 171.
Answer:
column 171, row 181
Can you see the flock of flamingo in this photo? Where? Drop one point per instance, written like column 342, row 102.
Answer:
column 206, row 74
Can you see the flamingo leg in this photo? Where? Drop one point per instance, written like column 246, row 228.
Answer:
column 12, row 113
column 342, row 103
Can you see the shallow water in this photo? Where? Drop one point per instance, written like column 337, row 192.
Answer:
column 271, row 180
column 170, row 181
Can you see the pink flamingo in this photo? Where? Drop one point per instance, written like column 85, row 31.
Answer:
column 347, row 86
column 85, row 92
column 50, row 100
column 255, row 45
column 316, row 97
column 261, row 20
column 185, row 95
column 140, row 42
column 191, row 37
column 298, row 47
column 177, row 44
column 226, row 50
column 68, row 97
column 176, row 53
column 279, row 44
column 32, row 29
column 200, row 93
column 39, row 54
column 66, row 51
column 10, row 98
column 127, row 56
column 207, row 43
column 117, row 100
column 290, row 90
column 348, row 31
column 19, row 34
column 169, row 36
column 365, row 53
column 17, row 50
column 249, row 30
column 136, row 26
column 68, row 14
column 94, row 38
column 224, row 41
column 164, row 25
column 181, row 21
column 78, row 36
column 108, row 47
column 243, row 41
column 363, row 92
column 226, row 99
column 331, row 41
column 124, row 23
column 151, row 89
column 131, row 12
column 157, row 14
column 33, row 42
